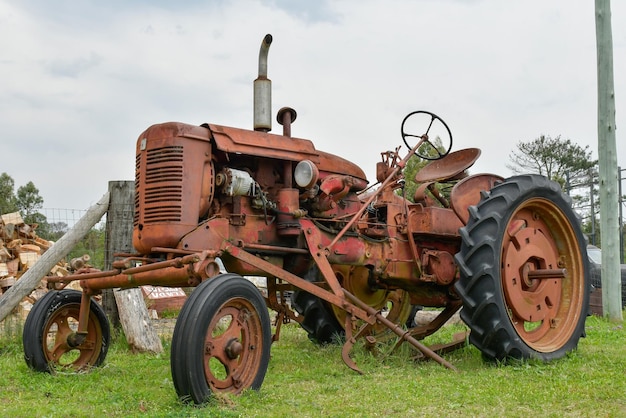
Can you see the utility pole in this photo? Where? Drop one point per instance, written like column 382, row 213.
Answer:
column 607, row 161
column 593, row 208
column 621, row 214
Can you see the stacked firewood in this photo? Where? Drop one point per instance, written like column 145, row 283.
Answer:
column 20, row 248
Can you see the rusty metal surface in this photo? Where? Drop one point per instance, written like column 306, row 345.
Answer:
column 179, row 272
column 528, row 249
column 172, row 163
column 72, row 338
column 541, row 274
column 233, row 344
column 330, row 297
column 467, row 193
column 266, row 145
column 400, row 332
column 433, row 220
column 449, row 166
column 439, row 266
column 186, row 173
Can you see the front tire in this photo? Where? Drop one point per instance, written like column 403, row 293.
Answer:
column 221, row 341
column 50, row 326
column 523, row 224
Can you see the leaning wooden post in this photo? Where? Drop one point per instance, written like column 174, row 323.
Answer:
column 29, row 280
column 131, row 307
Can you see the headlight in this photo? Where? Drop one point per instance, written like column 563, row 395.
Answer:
column 306, row 174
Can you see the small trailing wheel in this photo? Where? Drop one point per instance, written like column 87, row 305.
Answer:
column 50, row 340
column 221, row 341
column 523, row 271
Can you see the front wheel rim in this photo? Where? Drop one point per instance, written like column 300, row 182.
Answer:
column 233, row 347
column 59, row 328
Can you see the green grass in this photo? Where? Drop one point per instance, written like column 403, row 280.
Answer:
column 305, row 380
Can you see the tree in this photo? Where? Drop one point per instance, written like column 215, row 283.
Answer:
column 57, row 230
column 7, row 196
column 414, row 165
column 39, row 219
column 560, row 160
column 567, row 163
column 28, row 201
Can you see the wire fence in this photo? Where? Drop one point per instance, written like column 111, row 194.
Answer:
column 65, row 216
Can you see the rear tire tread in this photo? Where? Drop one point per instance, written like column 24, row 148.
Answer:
column 479, row 284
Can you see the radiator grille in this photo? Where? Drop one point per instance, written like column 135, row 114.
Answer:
column 159, row 190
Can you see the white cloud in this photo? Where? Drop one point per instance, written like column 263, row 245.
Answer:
column 83, row 80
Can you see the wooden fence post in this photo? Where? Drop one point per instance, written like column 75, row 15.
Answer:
column 126, row 307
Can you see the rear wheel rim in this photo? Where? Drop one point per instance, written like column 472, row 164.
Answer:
column 543, row 312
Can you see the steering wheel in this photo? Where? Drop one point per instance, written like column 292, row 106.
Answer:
column 436, row 141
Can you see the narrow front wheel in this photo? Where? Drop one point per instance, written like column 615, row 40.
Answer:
column 50, row 339
column 221, row 342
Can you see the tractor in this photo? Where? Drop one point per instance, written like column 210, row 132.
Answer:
column 347, row 260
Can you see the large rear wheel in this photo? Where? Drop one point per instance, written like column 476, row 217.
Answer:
column 523, row 272
column 221, row 341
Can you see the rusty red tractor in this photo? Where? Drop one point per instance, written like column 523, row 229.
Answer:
column 345, row 260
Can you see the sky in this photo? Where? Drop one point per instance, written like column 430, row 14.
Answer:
column 82, row 79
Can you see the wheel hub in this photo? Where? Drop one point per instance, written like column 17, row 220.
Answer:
column 75, row 339
column 531, row 299
column 233, row 349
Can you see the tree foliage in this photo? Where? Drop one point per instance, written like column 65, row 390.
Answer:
column 415, row 164
column 558, row 159
column 571, row 166
column 7, row 194
column 26, row 201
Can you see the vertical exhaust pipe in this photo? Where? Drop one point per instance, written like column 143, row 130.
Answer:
column 263, row 91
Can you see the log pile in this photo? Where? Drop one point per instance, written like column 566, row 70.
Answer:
column 20, row 248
